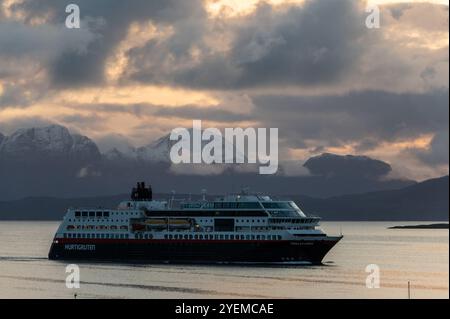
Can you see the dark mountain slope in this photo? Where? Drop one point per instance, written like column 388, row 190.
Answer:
column 428, row 200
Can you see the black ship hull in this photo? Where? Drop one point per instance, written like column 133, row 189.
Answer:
column 305, row 251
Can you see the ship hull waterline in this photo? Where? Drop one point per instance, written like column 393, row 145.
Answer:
column 305, row 251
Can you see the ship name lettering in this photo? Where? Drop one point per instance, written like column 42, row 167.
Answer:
column 79, row 247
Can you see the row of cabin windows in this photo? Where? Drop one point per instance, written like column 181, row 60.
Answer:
column 275, row 221
column 237, row 228
column 113, row 227
column 244, row 228
column 237, row 205
column 98, row 236
column 93, row 220
column 283, row 213
column 292, row 221
column 249, row 220
column 271, row 205
column 236, row 220
column 100, row 214
column 226, row 205
column 297, row 227
column 91, row 214
column 144, row 236
column 226, row 237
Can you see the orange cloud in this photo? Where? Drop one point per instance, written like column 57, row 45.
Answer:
column 384, row 149
column 135, row 94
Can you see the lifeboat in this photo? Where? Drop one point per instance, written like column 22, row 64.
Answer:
column 179, row 223
column 70, row 227
column 156, row 222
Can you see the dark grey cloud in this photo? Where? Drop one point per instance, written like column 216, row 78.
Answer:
column 366, row 144
column 9, row 126
column 82, row 122
column 437, row 154
column 12, row 95
column 109, row 20
column 203, row 113
column 22, row 94
column 218, row 113
column 320, row 45
column 114, row 141
column 349, row 166
column 27, row 50
column 398, row 10
column 318, row 42
column 40, row 42
column 367, row 118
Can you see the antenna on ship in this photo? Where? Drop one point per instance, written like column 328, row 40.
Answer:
column 172, row 198
column 204, row 194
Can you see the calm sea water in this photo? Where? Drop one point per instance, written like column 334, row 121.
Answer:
column 418, row 256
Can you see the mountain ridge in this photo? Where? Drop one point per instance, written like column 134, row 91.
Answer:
column 373, row 206
column 51, row 161
column 50, row 141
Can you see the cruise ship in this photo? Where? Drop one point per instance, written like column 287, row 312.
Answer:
column 238, row 228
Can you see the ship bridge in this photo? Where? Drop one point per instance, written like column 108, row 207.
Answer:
column 248, row 202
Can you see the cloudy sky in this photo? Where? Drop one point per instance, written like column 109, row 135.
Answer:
column 137, row 69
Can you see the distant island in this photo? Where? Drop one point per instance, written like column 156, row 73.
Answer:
column 429, row 226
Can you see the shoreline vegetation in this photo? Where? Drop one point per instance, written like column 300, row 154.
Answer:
column 423, row 226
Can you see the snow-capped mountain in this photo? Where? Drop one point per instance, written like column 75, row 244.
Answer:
column 51, row 161
column 153, row 153
column 159, row 150
column 56, row 141
column 49, row 142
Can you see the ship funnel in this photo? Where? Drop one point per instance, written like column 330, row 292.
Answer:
column 141, row 193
